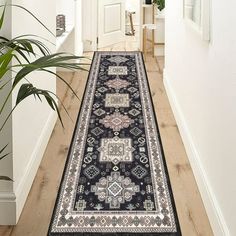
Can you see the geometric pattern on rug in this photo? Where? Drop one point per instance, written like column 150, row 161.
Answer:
column 115, row 190
column 117, row 83
column 116, row 121
column 116, row 100
column 115, row 179
column 117, row 70
column 116, row 150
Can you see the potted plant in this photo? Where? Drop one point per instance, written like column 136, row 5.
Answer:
column 160, row 4
column 25, row 49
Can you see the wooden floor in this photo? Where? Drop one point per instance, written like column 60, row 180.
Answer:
column 35, row 218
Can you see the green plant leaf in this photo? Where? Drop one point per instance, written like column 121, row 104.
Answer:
column 1, row 151
column 5, row 178
column 24, row 48
column 23, row 45
column 160, row 4
column 2, row 17
column 48, row 61
column 30, row 13
column 2, row 86
column 5, row 59
column 61, row 103
column 28, row 89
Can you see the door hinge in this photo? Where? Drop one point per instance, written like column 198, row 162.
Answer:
column 97, row 40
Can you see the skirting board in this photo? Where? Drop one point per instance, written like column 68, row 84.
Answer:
column 215, row 216
column 11, row 204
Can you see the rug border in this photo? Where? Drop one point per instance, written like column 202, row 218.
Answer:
column 178, row 233
column 68, row 154
column 164, row 158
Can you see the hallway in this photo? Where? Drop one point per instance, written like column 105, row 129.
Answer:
column 192, row 83
column 35, row 218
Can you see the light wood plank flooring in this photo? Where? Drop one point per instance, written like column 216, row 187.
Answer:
column 35, row 218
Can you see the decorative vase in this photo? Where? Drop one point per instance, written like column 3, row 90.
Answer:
column 61, row 21
column 148, row 1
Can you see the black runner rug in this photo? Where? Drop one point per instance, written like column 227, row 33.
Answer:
column 115, row 180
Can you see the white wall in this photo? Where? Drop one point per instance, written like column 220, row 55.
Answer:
column 200, row 79
column 89, row 22
column 33, row 121
column 71, row 40
column 66, row 8
column 6, row 164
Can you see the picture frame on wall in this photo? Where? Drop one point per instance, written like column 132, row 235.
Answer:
column 197, row 16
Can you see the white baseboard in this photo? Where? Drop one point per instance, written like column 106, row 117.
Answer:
column 11, row 204
column 213, row 210
column 7, row 208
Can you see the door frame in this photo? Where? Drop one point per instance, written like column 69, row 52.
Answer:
column 92, row 8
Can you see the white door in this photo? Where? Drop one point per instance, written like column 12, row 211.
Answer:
column 111, row 22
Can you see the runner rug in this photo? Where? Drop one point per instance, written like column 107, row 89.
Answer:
column 115, row 181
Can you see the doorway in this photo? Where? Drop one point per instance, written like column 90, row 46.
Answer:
column 114, row 24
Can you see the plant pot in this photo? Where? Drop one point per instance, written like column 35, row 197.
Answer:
column 148, row 1
column 160, row 13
